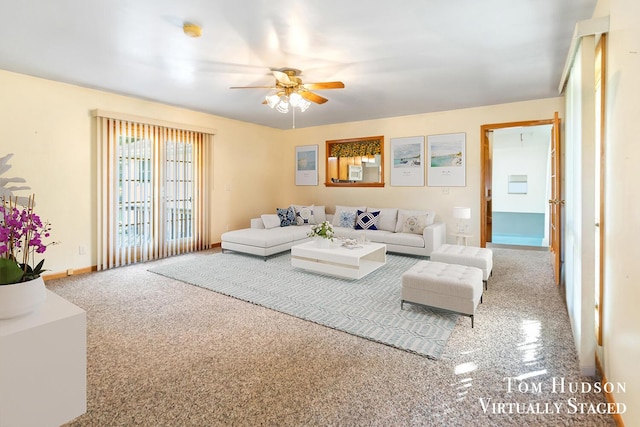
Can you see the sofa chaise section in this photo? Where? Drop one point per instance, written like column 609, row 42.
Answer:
column 258, row 240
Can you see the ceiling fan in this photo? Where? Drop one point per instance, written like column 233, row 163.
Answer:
column 289, row 90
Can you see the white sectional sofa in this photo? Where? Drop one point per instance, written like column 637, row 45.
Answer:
column 412, row 232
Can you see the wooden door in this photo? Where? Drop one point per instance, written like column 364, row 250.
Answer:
column 487, row 209
column 555, row 201
column 600, row 95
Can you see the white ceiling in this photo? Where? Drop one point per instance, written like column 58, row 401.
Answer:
column 395, row 57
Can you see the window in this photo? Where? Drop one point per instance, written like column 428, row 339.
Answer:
column 355, row 162
column 152, row 191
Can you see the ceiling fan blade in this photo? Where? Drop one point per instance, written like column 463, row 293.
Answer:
column 253, row 87
column 310, row 96
column 282, row 77
column 324, row 85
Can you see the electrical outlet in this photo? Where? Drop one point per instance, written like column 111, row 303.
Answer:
column 445, row 190
column 82, row 250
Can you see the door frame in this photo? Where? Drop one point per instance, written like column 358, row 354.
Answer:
column 486, row 165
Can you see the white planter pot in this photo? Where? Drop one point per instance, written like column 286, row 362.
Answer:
column 21, row 298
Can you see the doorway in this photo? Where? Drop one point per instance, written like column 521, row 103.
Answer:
column 520, row 186
column 516, row 159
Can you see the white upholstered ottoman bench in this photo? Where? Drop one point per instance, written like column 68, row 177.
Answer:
column 471, row 256
column 451, row 287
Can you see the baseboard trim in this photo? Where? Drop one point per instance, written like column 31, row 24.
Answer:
column 70, row 272
column 85, row 270
column 608, row 396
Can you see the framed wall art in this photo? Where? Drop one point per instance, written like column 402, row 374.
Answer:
column 447, row 163
column 407, row 161
column 307, row 165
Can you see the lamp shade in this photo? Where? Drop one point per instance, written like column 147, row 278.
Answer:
column 461, row 213
column 272, row 100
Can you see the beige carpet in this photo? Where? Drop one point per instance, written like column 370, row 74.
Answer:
column 369, row 308
column 165, row 353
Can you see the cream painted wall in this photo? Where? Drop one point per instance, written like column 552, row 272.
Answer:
column 49, row 128
column 521, row 152
column 621, row 323
column 467, row 120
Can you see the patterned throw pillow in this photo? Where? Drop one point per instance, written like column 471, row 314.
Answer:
column 404, row 214
column 367, row 220
column 347, row 219
column 351, row 209
column 304, row 215
column 414, row 224
column 287, row 216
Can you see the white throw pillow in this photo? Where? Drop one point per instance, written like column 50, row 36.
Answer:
column 387, row 219
column 270, row 220
column 319, row 214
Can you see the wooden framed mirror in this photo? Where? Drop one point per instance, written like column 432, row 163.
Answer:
column 355, row 162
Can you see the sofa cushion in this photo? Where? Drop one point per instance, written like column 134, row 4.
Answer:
column 270, row 220
column 405, row 239
column 351, row 209
column 304, row 214
column 377, row 236
column 414, row 224
column 387, row 219
column 367, row 220
column 262, row 238
column 403, row 214
column 287, row 216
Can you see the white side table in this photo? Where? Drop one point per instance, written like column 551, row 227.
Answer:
column 461, row 238
column 43, row 365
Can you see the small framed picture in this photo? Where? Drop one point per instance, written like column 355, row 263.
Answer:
column 307, row 165
column 446, row 155
column 407, row 161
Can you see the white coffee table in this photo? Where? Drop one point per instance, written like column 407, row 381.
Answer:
column 339, row 261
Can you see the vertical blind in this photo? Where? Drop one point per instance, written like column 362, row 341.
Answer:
column 152, row 191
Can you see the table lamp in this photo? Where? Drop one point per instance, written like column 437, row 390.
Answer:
column 461, row 214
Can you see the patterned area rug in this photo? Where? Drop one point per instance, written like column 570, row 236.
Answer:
column 368, row 308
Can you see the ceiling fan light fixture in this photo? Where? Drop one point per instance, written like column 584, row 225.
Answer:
column 283, row 105
column 298, row 101
column 290, row 93
column 304, row 105
column 272, row 100
column 295, row 99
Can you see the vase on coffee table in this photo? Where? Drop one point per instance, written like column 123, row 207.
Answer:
column 322, row 242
